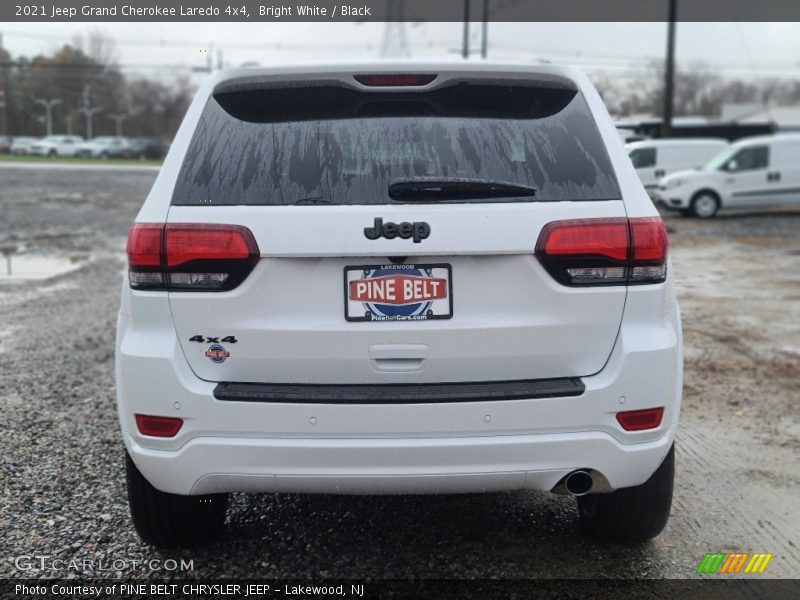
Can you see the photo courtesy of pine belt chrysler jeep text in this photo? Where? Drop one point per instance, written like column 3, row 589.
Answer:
column 398, row 278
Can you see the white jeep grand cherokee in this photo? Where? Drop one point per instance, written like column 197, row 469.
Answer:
column 398, row 278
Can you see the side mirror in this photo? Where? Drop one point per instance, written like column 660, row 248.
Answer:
column 731, row 165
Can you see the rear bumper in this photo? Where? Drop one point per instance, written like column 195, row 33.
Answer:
column 414, row 447
column 395, row 466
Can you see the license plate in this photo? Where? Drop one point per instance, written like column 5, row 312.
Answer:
column 398, row 292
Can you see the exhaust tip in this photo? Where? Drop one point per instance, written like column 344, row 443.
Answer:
column 578, row 483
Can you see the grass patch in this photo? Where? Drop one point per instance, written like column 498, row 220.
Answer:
column 75, row 159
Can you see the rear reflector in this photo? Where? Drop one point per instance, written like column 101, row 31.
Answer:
column 158, row 426
column 190, row 256
column 399, row 80
column 638, row 420
column 614, row 251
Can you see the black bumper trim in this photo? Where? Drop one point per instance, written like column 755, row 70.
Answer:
column 400, row 393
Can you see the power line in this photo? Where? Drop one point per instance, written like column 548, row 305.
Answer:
column 565, row 56
column 528, row 50
column 194, row 44
column 90, row 67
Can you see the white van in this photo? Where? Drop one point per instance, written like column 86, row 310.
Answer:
column 653, row 159
column 757, row 172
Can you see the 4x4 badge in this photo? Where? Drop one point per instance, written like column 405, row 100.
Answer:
column 418, row 230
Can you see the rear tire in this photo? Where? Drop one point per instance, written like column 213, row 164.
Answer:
column 170, row 520
column 705, row 205
column 633, row 514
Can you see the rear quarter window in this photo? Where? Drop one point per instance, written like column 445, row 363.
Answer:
column 335, row 145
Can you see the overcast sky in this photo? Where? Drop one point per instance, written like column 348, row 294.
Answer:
column 740, row 50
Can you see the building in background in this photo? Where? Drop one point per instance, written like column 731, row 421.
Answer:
column 695, row 127
column 779, row 117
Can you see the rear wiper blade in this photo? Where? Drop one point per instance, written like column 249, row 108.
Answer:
column 456, row 188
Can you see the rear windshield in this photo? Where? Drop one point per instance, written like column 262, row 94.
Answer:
column 335, row 145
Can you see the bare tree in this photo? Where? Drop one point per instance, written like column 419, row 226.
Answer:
column 98, row 46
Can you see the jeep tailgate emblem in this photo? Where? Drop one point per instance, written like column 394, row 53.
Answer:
column 418, row 230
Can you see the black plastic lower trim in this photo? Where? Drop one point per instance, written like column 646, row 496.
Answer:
column 400, row 393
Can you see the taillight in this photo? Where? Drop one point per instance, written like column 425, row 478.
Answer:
column 145, row 248
column 639, row 420
column 615, row 251
column 395, row 80
column 649, row 241
column 158, row 426
column 189, row 257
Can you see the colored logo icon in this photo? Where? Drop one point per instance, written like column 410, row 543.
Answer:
column 217, row 353
column 746, row 563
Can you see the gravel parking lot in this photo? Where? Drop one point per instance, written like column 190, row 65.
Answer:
column 63, row 495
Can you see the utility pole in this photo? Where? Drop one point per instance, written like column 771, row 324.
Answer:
column 669, row 71
column 88, row 111
column 3, row 104
column 465, row 44
column 395, row 42
column 118, row 118
column 48, row 104
column 485, row 30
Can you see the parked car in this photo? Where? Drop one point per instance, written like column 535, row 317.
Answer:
column 148, row 148
column 654, row 159
column 360, row 279
column 22, row 145
column 57, row 145
column 629, row 136
column 5, row 144
column 104, row 147
column 757, row 172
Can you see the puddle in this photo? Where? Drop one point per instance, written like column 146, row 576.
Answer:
column 26, row 267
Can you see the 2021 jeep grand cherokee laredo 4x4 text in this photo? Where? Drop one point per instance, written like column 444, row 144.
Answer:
column 398, row 278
